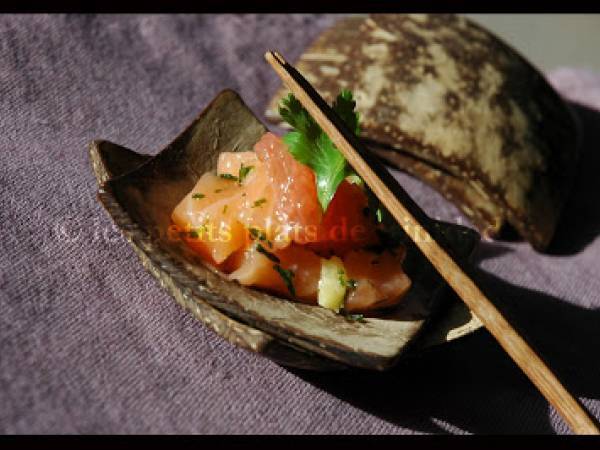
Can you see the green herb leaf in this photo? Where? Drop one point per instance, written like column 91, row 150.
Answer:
column 344, row 106
column 259, row 202
column 353, row 178
column 228, row 176
column 257, row 234
column 198, row 196
column 355, row 318
column 267, row 253
column 243, row 173
column 311, row 146
column 292, row 111
column 288, row 278
column 330, row 168
column 300, row 146
column 342, row 277
column 346, row 282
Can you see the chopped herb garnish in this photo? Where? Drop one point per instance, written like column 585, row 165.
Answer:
column 259, row 202
column 193, row 234
column 346, row 282
column 198, row 196
column 355, row 318
column 224, row 209
column 218, row 190
column 342, row 277
column 258, row 234
column 228, row 176
column 244, row 171
column 351, row 284
column 287, row 276
column 311, row 146
column 267, row 253
column 353, row 178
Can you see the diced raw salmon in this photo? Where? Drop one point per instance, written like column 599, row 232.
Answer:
column 231, row 162
column 276, row 206
column 258, row 270
column 296, row 210
column 208, row 216
column 257, row 209
column 380, row 279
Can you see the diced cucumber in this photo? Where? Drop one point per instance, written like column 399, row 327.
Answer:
column 332, row 284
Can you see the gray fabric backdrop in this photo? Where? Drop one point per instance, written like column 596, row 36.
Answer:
column 89, row 343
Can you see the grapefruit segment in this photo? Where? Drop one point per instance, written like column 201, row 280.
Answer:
column 296, row 210
column 347, row 224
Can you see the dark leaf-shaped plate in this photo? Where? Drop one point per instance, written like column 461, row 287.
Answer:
column 139, row 192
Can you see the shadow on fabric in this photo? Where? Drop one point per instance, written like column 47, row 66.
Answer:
column 471, row 383
column 580, row 219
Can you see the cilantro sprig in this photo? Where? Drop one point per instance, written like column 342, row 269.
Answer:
column 310, row 145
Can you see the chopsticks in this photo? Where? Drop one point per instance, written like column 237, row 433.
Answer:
column 418, row 226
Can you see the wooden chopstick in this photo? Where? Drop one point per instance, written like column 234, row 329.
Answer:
column 418, row 226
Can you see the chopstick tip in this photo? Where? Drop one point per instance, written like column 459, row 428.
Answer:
column 273, row 55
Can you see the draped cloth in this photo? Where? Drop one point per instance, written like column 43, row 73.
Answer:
column 90, row 343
